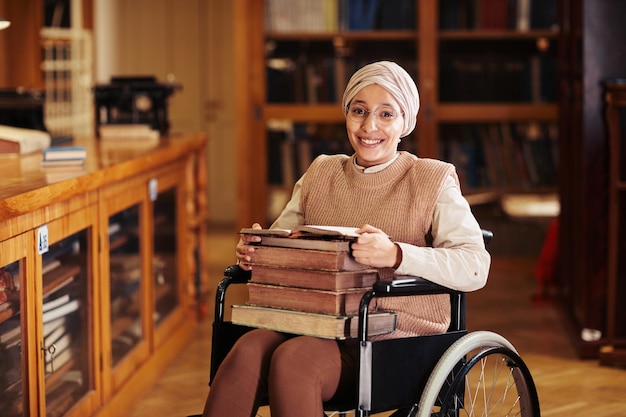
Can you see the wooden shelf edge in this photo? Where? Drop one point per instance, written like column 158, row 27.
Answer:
column 490, row 112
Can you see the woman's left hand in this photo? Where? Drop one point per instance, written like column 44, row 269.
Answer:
column 374, row 248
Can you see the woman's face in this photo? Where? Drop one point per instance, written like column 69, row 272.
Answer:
column 374, row 141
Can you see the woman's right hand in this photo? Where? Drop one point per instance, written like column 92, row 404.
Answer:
column 243, row 250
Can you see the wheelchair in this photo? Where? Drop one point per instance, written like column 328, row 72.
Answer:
column 456, row 373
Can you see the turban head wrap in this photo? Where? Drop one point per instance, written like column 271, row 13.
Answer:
column 393, row 78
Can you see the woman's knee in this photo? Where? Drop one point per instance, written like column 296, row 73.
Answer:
column 305, row 355
column 255, row 346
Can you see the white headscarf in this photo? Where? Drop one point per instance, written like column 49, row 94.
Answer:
column 393, row 78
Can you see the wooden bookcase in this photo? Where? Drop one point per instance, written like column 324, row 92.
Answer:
column 590, row 27
column 432, row 41
column 614, row 352
column 103, row 271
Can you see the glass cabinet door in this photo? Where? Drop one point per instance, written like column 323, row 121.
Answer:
column 66, row 318
column 165, row 265
column 125, row 273
column 12, row 381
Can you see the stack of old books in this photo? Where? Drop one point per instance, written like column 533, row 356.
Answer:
column 305, row 281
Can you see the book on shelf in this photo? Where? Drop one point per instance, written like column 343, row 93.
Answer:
column 50, row 265
column 61, row 344
column 61, row 311
column 310, row 278
column 304, row 259
column 55, row 302
column 17, row 140
column 10, row 366
column 7, row 310
column 64, row 153
column 10, row 332
column 311, row 324
column 59, row 278
column 339, row 302
column 52, row 325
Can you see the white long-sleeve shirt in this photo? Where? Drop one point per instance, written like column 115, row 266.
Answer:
column 457, row 259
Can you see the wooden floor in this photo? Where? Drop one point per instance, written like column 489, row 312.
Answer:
column 566, row 385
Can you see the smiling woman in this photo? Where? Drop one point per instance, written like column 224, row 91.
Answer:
column 381, row 192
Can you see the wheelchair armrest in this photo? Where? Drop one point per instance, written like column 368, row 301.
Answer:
column 409, row 285
column 236, row 275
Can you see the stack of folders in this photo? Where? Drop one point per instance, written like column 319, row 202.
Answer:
column 306, row 282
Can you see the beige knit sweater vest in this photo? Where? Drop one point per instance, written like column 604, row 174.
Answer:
column 400, row 200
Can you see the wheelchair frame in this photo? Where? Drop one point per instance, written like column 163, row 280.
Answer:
column 417, row 376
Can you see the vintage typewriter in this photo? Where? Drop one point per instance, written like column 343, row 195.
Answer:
column 134, row 100
column 25, row 108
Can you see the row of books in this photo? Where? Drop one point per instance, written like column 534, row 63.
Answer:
column 310, row 80
column 520, row 155
column 498, row 77
column 339, row 15
column 520, row 15
column 485, row 76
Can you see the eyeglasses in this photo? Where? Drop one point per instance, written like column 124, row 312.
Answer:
column 384, row 115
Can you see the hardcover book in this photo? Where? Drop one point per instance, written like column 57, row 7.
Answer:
column 311, row 324
column 305, row 259
column 310, row 278
column 342, row 302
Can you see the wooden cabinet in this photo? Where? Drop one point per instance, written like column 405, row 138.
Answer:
column 100, row 274
column 487, row 87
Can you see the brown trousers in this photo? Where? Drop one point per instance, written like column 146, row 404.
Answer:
column 296, row 374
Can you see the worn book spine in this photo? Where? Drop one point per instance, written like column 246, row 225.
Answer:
column 310, row 278
column 344, row 302
column 310, row 324
column 305, row 259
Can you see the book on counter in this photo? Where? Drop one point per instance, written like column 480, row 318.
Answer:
column 64, row 153
column 125, row 132
column 311, row 278
column 341, row 302
column 311, row 324
column 17, row 140
column 305, row 259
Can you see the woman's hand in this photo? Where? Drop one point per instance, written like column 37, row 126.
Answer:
column 374, row 248
column 243, row 252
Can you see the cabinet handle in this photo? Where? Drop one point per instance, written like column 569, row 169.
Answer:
column 51, row 350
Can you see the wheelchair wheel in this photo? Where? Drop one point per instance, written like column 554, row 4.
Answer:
column 480, row 375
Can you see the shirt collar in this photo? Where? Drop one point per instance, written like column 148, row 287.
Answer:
column 375, row 168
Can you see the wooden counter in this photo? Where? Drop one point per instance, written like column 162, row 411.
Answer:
column 150, row 198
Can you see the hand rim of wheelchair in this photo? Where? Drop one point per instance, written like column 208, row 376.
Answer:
column 490, row 343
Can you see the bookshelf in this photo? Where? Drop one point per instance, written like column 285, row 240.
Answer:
column 465, row 64
column 101, row 274
column 587, row 292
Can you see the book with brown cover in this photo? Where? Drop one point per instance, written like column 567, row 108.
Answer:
column 343, row 302
column 310, row 278
column 305, row 259
column 311, row 324
column 309, row 230
column 17, row 140
column 306, row 243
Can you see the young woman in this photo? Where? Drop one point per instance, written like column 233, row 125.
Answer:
column 413, row 220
